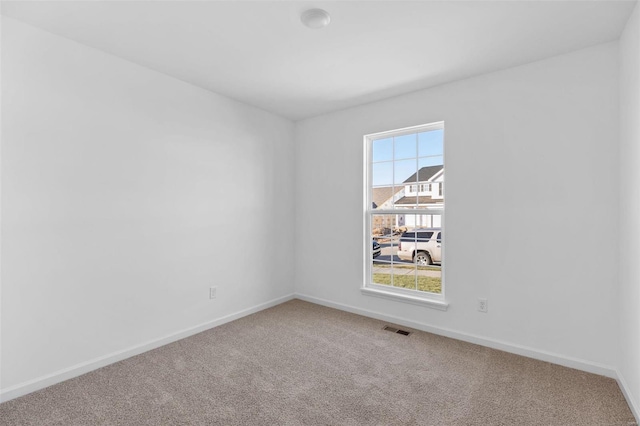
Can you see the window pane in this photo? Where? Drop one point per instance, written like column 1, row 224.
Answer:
column 382, row 197
column 429, row 279
column 383, row 226
column 404, row 170
column 383, row 174
column 404, row 276
column 425, row 221
column 430, row 143
column 405, row 146
column 382, row 150
column 381, row 274
column 429, row 161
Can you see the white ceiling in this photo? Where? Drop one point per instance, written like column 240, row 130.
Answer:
column 258, row 52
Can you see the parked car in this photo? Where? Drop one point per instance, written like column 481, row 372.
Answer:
column 376, row 249
column 421, row 246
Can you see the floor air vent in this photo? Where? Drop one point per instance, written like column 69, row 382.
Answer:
column 396, row 330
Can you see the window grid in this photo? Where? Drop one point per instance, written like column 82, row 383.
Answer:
column 416, row 211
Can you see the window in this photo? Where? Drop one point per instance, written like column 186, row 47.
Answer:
column 405, row 165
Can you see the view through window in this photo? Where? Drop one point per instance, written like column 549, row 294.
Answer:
column 405, row 206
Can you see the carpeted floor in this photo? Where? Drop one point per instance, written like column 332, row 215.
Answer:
column 303, row 364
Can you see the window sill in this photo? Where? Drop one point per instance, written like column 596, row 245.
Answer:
column 414, row 300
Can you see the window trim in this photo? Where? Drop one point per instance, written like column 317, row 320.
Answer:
column 383, row 292
column 416, row 297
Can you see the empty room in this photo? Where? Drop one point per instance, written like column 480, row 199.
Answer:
column 234, row 212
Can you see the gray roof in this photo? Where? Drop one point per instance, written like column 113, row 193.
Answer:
column 411, row 200
column 424, row 174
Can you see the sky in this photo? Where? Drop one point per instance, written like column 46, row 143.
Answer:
column 396, row 159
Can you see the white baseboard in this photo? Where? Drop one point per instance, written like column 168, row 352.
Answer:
column 85, row 367
column 578, row 364
column 633, row 404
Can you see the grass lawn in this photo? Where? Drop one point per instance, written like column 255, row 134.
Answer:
column 406, row 266
column 430, row 284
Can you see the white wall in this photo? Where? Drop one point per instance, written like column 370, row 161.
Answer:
column 126, row 194
column 629, row 302
column 545, row 259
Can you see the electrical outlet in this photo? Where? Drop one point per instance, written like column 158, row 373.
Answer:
column 212, row 293
column 482, row 305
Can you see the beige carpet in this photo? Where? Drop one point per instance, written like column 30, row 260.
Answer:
column 303, row 364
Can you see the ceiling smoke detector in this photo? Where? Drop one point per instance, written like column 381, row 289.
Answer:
column 315, row 18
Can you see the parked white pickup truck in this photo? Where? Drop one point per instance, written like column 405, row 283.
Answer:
column 421, row 246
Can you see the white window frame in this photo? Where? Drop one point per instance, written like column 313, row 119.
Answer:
column 432, row 300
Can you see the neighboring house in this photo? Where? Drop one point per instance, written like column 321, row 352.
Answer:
column 380, row 195
column 423, row 189
column 379, row 199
